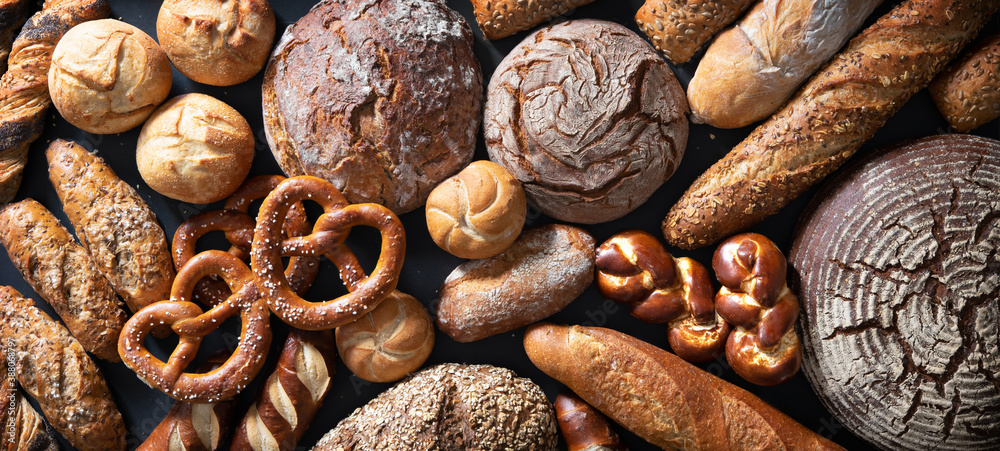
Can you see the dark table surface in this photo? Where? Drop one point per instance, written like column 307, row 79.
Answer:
column 426, row 266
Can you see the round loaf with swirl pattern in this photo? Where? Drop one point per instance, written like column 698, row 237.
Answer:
column 588, row 117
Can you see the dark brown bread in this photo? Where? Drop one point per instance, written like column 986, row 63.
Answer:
column 502, row 18
column 897, row 267
column 24, row 89
column 678, row 28
column 451, row 407
column 660, row 397
column 113, row 223
column 382, row 99
column 13, row 14
column 22, row 427
column 55, row 370
column 583, row 427
column 968, row 92
column 827, row 120
column 63, row 274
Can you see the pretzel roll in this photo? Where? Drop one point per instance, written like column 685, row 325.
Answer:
column 478, row 212
column 763, row 347
column 390, row 341
column 633, row 268
column 583, row 427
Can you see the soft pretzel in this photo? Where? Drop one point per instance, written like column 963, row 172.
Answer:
column 327, row 238
column 763, row 347
column 190, row 323
column 634, row 268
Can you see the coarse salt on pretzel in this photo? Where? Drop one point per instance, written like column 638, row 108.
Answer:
column 327, row 238
column 191, row 324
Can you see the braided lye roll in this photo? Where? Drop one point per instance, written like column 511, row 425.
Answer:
column 763, row 347
column 633, row 268
column 24, row 88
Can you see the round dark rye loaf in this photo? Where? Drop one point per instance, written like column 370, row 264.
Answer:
column 898, row 270
column 451, row 407
column 380, row 97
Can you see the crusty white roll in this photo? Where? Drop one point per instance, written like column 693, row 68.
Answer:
column 390, row 341
column 751, row 69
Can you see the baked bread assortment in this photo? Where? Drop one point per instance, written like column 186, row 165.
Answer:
column 108, row 76
column 389, row 342
column 195, row 148
column 678, row 28
column 967, row 92
column 478, row 212
column 382, row 99
column 751, row 69
column 827, row 120
column 502, row 18
column 896, row 263
column 588, row 117
column 451, row 407
column 216, row 43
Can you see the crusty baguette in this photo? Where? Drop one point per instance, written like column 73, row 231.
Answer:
column 63, row 274
column 13, row 14
column 968, row 92
column 751, row 69
column 191, row 426
column 113, row 223
column 678, row 28
column 24, row 88
column 55, row 370
column 660, row 397
column 21, row 427
column 292, row 395
column 827, row 120
column 502, row 18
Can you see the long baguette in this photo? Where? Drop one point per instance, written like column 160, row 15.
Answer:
column 827, row 120
column 660, row 397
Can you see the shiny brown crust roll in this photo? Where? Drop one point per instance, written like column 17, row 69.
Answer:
column 968, row 92
column 24, row 89
column 113, row 223
column 64, row 275
column 389, row 342
column 502, row 18
column 827, row 120
column 55, row 370
column 22, row 426
column 13, row 14
column 678, row 28
column 583, row 427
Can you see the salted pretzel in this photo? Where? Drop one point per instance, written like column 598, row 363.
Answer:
column 191, row 324
column 763, row 347
column 327, row 238
column 633, row 268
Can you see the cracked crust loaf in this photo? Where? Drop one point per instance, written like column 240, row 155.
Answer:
column 897, row 263
column 451, row 407
column 380, row 97
column 588, row 117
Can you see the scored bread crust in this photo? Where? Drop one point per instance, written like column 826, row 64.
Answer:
column 827, row 120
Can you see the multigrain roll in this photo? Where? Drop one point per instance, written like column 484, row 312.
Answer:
column 478, row 212
column 108, row 76
column 216, row 43
column 588, row 117
column 195, row 148
column 968, row 91
column 383, row 98
column 678, row 28
column 451, row 407
column 499, row 19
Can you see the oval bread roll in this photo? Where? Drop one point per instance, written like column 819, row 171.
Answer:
column 968, row 92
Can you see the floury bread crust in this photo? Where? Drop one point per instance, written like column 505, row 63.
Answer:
column 380, row 97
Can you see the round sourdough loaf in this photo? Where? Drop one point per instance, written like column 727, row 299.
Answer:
column 588, row 117
column 382, row 98
column 451, row 407
column 897, row 264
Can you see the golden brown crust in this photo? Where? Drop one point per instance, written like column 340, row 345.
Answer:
column 827, row 120
column 502, row 18
column 968, row 92
column 64, row 275
column 13, row 14
column 113, row 223
column 660, row 397
column 390, row 341
column 678, row 28
column 583, row 427
column 23, row 427
column 24, row 90
column 55, row 370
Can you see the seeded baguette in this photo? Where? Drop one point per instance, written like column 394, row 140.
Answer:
column 502, row 18
column 827, row 120
column 968, row 92
column 678, row 28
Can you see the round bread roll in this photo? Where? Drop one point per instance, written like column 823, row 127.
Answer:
column 451, row 407
column 898, row 264
column 478, row 212
column 588, row 117
column 108, row 76
column 381, row 98
column 390, row 341
column 195, row 149
column 219, row 43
